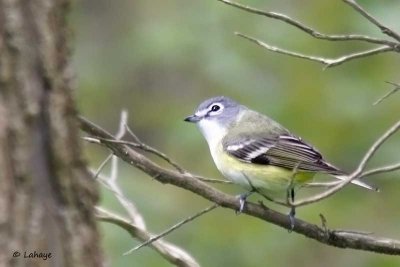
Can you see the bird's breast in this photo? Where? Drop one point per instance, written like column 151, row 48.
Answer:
column 248, row 175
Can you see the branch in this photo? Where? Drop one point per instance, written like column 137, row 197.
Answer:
column 170, row 252
column 309, row 30
column 323, row 184
column 335, row 238
column 378, row 143
column 102, row 165
column 386, row 45
column 383, row 169
column 173, row 228
column 136, row 226
column 386, row 30
column 328, row 62
column 152, row 150
column 139, row 144
column 359, row 172
column 391, row 92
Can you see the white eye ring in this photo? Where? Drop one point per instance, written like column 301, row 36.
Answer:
column 215, row 109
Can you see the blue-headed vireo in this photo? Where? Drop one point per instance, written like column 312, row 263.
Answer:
column 254, row 151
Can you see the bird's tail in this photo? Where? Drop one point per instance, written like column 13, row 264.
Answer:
column 358, row 182
column 341, row 175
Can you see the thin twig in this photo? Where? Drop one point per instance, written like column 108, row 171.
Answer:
column 391, row 131
column 100, row 168
column 386, row 30
column 91, row 140
column 357, row 173
column 389, row 168
column 391, row 92
column 308, row 30
column 328, row 62
column 210, row 180
column 174, row 227
column 154, row 151
column 139, row 144
column 170, row 252
column 130, row 208
column 322, row 184
column 132, row 134
column 121, row 129
column 103, row 180
column 102, row 165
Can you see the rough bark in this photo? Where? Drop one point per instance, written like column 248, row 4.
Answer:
column 46, row 195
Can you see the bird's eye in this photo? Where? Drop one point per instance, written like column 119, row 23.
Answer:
column 215, row 108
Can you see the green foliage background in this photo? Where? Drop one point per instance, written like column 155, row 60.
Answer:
column 159, row 59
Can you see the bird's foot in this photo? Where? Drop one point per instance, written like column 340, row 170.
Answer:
column 242, row 201
column 292, row 220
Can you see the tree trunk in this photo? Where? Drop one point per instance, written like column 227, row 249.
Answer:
column 46, row 195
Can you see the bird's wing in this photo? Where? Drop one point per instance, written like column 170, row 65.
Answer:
column 284, row 150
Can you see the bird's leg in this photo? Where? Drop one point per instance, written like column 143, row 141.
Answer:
column 242, row 200
column 244, row 196
column 290, row 198
column 292, row 211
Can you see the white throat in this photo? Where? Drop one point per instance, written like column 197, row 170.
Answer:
column 212, row 132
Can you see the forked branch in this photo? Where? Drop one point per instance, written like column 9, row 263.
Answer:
column 135, row 225
column 337, row 238
column 328, row 62
column 385, row 45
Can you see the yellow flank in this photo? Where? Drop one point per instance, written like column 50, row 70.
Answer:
column 266, row 178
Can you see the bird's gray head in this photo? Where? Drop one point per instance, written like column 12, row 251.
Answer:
column 221, row 109
column 215, row 115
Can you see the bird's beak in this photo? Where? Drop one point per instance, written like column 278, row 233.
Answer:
column 192, row 118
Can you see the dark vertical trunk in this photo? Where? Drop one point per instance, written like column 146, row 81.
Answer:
column 46, row 195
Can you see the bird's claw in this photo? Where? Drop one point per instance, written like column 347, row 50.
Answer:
column 242, row 201
column 292, row 220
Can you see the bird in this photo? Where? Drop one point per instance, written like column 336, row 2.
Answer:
column 257, row 153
